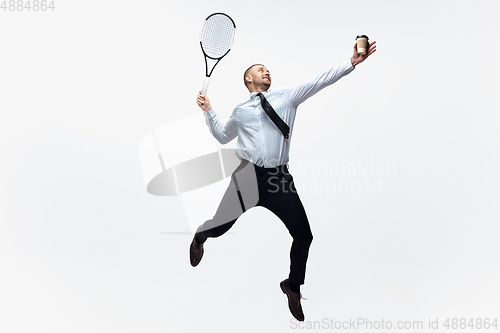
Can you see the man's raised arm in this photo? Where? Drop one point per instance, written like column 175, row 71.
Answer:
column 223, row 133
column 303, row 91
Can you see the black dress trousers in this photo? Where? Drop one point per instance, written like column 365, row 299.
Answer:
column 272, row 188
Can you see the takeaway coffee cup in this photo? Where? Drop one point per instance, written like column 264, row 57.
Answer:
column 362, row 41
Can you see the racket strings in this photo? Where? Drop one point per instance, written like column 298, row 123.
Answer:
column 217, row 35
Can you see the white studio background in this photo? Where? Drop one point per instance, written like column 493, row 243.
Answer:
column 84, row 247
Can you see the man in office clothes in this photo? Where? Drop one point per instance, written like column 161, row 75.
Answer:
column 264, row 127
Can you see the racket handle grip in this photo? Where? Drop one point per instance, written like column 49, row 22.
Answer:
column 205, row 85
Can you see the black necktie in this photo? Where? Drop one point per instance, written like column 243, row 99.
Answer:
column 283, row 127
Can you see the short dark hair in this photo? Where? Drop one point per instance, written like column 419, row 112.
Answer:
column 247, row 72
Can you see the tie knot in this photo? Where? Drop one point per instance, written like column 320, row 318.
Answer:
column 265, row 104
column 262, row 99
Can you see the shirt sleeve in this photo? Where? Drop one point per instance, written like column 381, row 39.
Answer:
column 223, row 133
column 299, row 93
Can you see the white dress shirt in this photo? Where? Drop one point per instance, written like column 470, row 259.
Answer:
column 259, row 139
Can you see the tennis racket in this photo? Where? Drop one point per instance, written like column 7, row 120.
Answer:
column 216, row 40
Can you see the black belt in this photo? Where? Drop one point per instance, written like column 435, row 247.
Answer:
column 275, row 170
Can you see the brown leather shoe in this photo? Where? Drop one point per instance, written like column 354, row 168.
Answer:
column 195, row 251
column 293, row 300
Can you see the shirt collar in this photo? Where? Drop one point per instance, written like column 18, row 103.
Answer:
column 252, row 94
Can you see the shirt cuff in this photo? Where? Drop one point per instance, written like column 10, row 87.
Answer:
column 209, row 114
column 348, row 67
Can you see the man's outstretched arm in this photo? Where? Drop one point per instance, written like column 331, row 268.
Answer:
column 303, row 91
column 223, row 133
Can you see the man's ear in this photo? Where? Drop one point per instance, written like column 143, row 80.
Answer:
column 248, row 78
